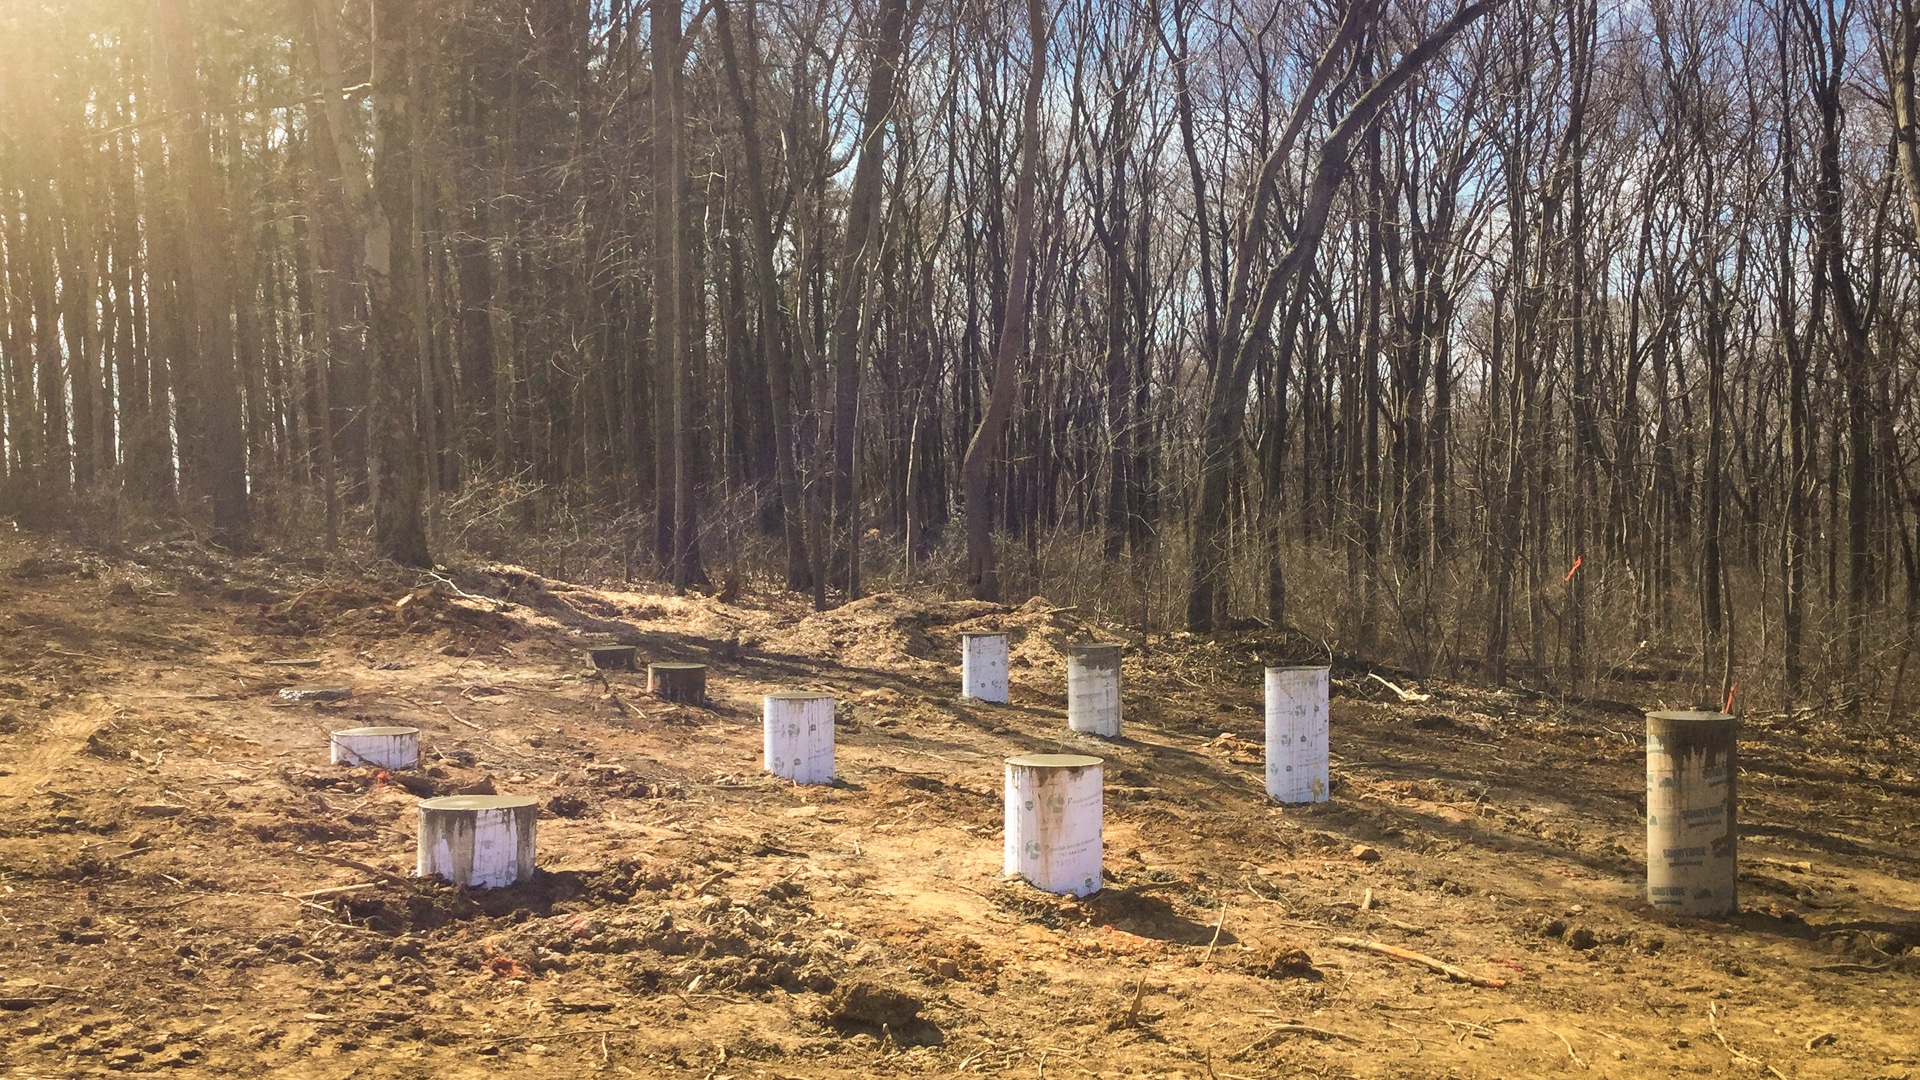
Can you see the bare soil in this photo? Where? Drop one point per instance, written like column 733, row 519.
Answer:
column 163, row 810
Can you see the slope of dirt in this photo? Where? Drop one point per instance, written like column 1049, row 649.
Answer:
column 170, row 828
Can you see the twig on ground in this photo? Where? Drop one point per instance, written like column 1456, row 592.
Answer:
column 1457, row 974
column 1569, row 1046
column 1418, row 1046
column 1276, row 1032
column 312, row 893
column 365, row 868
column 1471, row 1029
column 555, row 1034
column 164, row 907
column 1713, row 1018
column 1132, row 1019
column 1218, row 923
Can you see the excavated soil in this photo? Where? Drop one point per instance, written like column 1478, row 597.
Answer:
column 188, row 887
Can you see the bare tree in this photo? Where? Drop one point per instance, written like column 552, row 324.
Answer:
column 399, row 518
column 983, row 578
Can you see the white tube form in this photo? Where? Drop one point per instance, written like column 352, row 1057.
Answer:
column 798, row 737
column 983, row 667
column 1053, row 822
column 1297, row 733
column 1093, row 689
column 385, row 747
column 1692, row 832
column 484, row 840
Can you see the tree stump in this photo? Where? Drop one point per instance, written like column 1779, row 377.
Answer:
column 684, row 683
column 612, row 657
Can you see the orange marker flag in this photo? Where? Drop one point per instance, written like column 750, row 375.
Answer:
column 1731, row 691
column 1577, row 560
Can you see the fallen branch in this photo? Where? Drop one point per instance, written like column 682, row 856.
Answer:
column 462, row 593
column 534, row 593
column 1457, row 974
column 1408, row 697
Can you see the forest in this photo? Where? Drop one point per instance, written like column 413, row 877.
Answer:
column 1542, row 340
column 557, row 395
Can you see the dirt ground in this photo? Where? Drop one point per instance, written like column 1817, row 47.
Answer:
column 168, row 823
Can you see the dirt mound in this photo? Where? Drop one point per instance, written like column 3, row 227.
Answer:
column 869, row 1002
column 882, row 631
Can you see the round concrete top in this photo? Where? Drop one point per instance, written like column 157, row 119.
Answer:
column 1298, row 667
column 1054, row 761
column 1696, row 716
column 675, row 666
column 983, row 633
column 799, row 695
column 478, row 802
column 1093, row 646
column 378, row 731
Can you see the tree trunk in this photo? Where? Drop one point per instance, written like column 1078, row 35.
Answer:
column 983, row 578
column 1250, row 312
column 399, row 519
column 850, row 280
column 209, row 272
column 673, row 346
column 773, row 327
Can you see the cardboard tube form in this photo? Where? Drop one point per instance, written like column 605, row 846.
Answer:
column 983, row 667
column 1297, row 734
column 1691, row 849
column 477, row 840
column 797, row 733
column 385, row 747
column 684, row 683
column 1053, row 825
column 1093, row 689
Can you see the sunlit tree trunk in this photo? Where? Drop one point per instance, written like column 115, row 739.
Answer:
column 393, row 286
